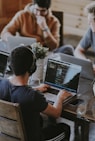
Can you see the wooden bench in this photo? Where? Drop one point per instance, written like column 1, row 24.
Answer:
column 11, row 124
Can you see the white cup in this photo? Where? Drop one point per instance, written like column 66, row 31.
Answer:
column 81, row 109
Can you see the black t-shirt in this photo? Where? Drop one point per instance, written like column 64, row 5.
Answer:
column 32, row 103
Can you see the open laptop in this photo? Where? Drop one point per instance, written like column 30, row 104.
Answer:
column 62, row 75
column 14, row 41
column 3, row 62
column 87, row 68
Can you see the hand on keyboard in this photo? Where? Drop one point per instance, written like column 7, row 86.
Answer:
column 64, row 94
column 42, row 87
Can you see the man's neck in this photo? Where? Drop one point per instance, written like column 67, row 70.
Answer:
column 19, row 80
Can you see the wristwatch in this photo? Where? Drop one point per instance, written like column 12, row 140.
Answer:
column 45, row 29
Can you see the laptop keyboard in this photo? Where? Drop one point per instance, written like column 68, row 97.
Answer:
column 64, row 102
column 53, row 91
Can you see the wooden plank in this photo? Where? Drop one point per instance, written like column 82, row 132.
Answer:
column 4, row 20
column 75, row 21
column 26, row 1
column 10, row 7
column 73, row 31
column 9, row 109
column 7, row 138
column 1, row 8
column 72, row 9
column 73, row 2
column 11, row 125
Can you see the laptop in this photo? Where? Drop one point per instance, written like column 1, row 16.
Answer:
column 15, row 41
column 62, row 75
column 87, row 68
column 3, row 63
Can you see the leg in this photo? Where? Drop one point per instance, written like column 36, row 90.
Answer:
column 77, row 129
column 85, row 131
column 66, row 49
column 81, row 130
column 58, row 132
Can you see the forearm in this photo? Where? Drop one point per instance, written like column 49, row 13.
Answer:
column 58, row 105
column 55, row 110
column 79, row 52
column 49, row 39
column 79, row 55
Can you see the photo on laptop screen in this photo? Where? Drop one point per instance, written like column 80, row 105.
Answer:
column 62, row 75
column 3, row 63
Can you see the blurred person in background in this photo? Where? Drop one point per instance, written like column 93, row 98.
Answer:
column 37, row 21
column 88, row 39
column 32, row 101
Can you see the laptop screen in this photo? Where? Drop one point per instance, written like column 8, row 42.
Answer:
column 85, row 73
column 3, row 63
column 63, row 75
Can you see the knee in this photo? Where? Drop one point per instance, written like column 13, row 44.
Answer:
column 66, row 49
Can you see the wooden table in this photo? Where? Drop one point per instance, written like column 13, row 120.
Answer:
column 82, row 123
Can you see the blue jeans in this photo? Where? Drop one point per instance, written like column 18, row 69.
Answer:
column 66, row 49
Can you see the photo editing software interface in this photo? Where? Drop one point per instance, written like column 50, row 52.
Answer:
column 62, row 75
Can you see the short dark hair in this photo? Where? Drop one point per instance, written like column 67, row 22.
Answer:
column 21, row 60
column 90, row 8
column 43, row 3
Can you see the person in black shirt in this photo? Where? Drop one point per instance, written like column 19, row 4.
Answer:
column 32, row 101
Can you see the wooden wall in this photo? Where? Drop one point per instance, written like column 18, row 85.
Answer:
column 8, row 8
column 75, row 22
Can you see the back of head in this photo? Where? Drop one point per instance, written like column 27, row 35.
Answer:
column 43, row 3
column 90, row 8
column 22, row 60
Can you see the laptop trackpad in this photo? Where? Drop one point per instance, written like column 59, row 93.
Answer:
column 53, row 91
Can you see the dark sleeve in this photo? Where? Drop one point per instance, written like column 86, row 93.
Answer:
column 39, row 101
column 4, row 90
column 86, row 40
